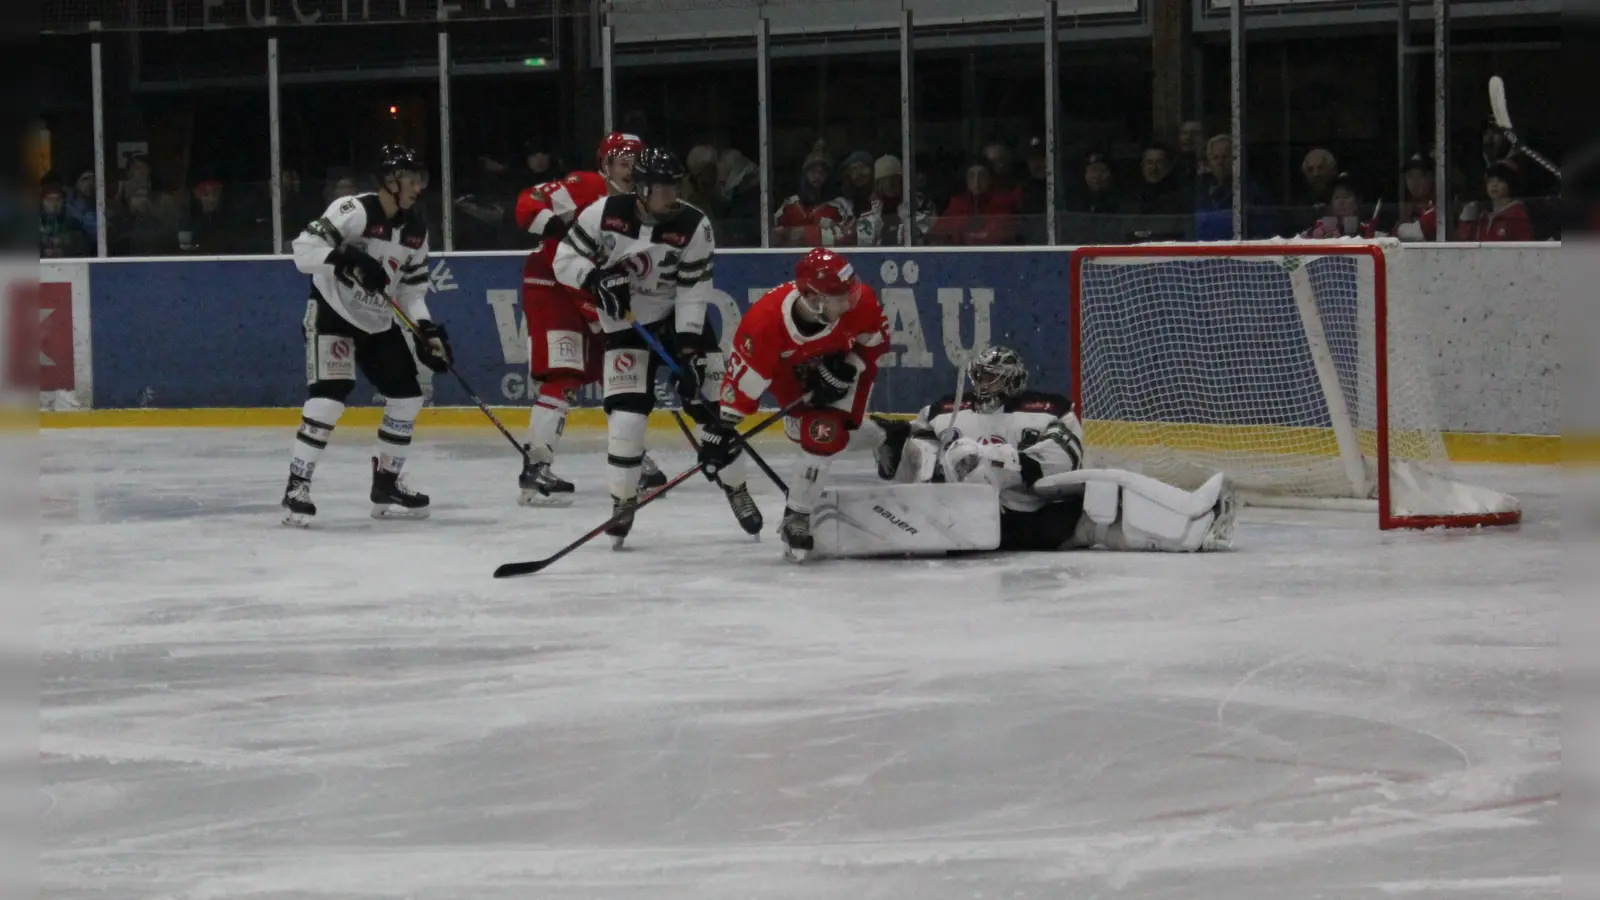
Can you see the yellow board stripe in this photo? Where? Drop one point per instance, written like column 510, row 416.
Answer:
column 1530, row 449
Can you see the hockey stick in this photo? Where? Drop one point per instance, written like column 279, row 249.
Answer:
column 473, row 395
column 512, row 570
column 1502, row 120
column 672, row 364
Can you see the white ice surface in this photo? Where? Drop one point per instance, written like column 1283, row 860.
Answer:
column 231, row 709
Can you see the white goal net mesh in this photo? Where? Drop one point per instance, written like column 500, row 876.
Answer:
column 1261, row 366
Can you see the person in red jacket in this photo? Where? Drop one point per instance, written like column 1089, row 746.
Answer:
column 980, row 215
column 1505, row 219
column 815, row 216
column 1418, row 219
column 818, row 336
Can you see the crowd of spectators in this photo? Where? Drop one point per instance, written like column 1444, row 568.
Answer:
column 997, row 196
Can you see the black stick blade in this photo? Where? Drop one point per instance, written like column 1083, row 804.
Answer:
column 512, row 570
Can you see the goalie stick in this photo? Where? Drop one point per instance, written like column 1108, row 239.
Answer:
column 471, row 394
column 1502, row 120
column 661, row 351
column 512, row 570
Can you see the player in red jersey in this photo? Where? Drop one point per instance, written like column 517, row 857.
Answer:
column 819, row 335
column 565, row 347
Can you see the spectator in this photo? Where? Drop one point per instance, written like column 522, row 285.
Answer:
column 1162, row 201
column 979, row 215
column 857, row 180
column 1505, row 218
column 700, row 184
column 216, row 224
column 739, row 182
column 999, row 157
column 138, row 230
column 139, row 174
column 341, row 183
column 484, row 222
column 1191, row 151
column 83, row 207
column 1342, row 216
column 1097, row 216
column 1320, row 170
column 814, row 216
column 1035, row 200
column 540, row 163
column 1418, row 220
column 300, row 206
column 884, row 222
column 59, row 234
column 1213, row 210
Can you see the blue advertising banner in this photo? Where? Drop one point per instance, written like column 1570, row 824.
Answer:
column 227, row 333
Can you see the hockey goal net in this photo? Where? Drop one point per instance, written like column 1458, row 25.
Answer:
column 1289, row 366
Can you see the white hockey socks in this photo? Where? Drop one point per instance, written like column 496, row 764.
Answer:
column 547, row 422
column 811, row 476
column 625, row 451
column 317, row 420
column 394, row 435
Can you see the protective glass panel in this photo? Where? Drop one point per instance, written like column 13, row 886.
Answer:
column 62, row 163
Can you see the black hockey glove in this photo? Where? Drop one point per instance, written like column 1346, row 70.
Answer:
column 611, row 292
column 719, row 447
column 355, row 267
column 887, row 455
column 433, row 345
column 829, row 379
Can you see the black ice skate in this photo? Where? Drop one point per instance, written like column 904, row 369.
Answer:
column 795, row 530
column 619, row 529
column 542, row 487
column 744, row 509
column 651, row 476
column 391, row 499
column 297, row 500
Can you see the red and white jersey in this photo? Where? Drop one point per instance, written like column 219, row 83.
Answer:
column 769, row 339
column 547, row 210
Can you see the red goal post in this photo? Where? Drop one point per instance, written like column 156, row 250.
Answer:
column 1283, row 363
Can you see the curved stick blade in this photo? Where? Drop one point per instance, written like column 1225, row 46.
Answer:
column 512, row 570
column 1497, row 102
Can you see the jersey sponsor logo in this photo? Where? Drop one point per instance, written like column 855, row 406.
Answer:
column 379, row 231
column 413, row 241
column 614, row 223
column 623, row 363
column 671, row 238
column 823, row 429
column 730, row 393
column 565, row 350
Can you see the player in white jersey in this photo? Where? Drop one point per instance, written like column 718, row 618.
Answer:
column 366, row 255
column 1029, row 446
column 644, row 257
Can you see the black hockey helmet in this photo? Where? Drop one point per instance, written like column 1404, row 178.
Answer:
column 400, row 158
column 997, row 374
column 657, row 165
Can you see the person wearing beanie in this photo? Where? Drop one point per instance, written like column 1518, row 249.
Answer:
column 857, row 182
column 59, row 235
column 815, row 215
column 1504, row 218
column 1418, row 219
column 82, row 204
column 884, row 222
column 979, row 215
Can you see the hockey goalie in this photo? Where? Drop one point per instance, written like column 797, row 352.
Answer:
column 1027, row 446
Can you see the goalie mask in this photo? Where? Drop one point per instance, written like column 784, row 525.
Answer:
column 827, row 284
column 997, row 375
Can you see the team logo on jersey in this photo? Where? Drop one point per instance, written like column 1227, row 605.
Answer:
column 823, row 430
column 613, row 223
column 747, row 346
column 638, row 265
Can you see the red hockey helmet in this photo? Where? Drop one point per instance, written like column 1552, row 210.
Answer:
column 617, row 144
column 827, row 284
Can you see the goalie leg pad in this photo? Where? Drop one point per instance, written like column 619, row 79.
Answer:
column 1129, row 511
column 919, row 460
column 906, row 519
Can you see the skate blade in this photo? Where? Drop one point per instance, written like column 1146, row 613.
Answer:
column 298, row 520
column 1220, row 535
column 553, row 501
column 391, row 511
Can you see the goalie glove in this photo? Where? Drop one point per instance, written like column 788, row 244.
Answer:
column 829, row 379
column 356, row 268
column 888, row 454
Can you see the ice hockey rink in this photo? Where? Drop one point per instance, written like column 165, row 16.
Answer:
column 232, row 709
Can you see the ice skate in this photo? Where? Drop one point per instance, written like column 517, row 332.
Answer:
column 795, row 530
column 391, row 499
column 297, row 500
column 1220, row 535
column 542, row 487
column 744, row 509
column 651, row 477
column 619, row 529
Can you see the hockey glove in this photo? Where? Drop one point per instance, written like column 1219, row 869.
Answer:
column 719, row 446
column 433, row 345
column 355, row 267
column 611, row 292
column 829, row 379
column 887, row 455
